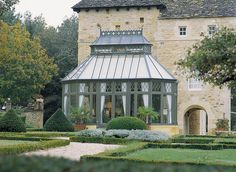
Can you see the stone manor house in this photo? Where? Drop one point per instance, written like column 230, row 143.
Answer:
column 127, row 54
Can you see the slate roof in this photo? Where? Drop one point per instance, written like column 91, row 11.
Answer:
column 169, row 8
column 85, row 4
column 198, row 8
column 134, row 37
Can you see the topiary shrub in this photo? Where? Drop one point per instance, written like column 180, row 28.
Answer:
column 58, row 122
column 10, row 122
column 128, row 123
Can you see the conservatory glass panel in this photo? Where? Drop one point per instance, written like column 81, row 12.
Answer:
column 142, row 69
column 156, row 105
column 168, row 87
column 73, row 100
column 66, row 88
column 135, row 63
column 105, row 67
column 93, row 110
column 119, row 67
column 120, row 105
column 153, row 70
column 132, row 105
column 88, row 71
column 66, row 104
column 98, row 67
column 106, row 108
column 73, row 88
column 112, row 66
column 162, row 70
column 127, row 66
column 167, row 109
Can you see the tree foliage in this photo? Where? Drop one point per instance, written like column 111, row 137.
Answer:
column 213, row 60
column 7, row 11
column 58, row 122
column 25, row 67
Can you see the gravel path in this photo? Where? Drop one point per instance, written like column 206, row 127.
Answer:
column 75, row 150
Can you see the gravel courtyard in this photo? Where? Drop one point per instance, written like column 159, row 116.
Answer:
column 75, row 150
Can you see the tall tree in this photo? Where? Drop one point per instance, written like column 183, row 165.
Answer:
column 25, row 68
column 213, row 60
column 7, row 11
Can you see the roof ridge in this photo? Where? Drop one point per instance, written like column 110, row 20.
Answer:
column 122, row 32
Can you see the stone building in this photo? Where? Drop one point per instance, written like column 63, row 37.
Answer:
column 171, row 26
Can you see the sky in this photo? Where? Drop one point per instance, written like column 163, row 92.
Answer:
column 54, row 11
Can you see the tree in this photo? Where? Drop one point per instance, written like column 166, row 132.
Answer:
column 213, row 60
column 62, row 45
column 7, row 11
column 25, row 68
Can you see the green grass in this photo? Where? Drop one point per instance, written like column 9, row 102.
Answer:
column 15, row 142
column 216, row 157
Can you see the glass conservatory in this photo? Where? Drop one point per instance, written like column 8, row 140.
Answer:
column 120, row 76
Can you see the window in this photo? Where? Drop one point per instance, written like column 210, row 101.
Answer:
column 211, row 29
column 182, row 30
column 141, row 20
column 117, row 27
column 194, row 84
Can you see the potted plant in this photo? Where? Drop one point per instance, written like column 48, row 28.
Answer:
column 147, row 114
column 79, row 116
column 222, row 125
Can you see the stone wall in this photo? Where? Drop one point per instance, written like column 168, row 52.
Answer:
column 168, row 47
column 34, row 118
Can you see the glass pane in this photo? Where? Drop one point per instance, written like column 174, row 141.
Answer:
column 84, row 101
column 168, row 87
column 73, row 100
column 167, row 109
column 141, row 100
column 120, row 105
column 106, row 108
column 93, row 110
column 156, row 86
column 66, row 88
column 156, row 104
column 132, row 106
column 84, row 88
column 65, row 105
column 73, row 88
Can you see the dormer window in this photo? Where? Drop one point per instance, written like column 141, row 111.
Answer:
column 183, row 30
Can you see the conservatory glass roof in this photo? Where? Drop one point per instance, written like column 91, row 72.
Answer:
column 120, row 55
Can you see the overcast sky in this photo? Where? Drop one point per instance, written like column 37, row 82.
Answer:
column 54, row 11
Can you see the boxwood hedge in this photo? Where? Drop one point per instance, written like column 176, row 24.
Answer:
column 10, row 122
column 128, row 123
column 58, row 122
column 42, row 164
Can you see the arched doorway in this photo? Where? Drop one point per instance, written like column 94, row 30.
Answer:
column 196, row 121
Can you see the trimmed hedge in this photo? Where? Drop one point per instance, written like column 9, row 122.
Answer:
column 192, row 146
column 10, row 122
column 34, row 129
column 193, row 140
column 42, row 164
column 103, row 140
column 58, row 122
column 21, row 148
column 128, row 123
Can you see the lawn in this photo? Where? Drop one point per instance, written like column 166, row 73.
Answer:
column 15, row 142
column 216, row 157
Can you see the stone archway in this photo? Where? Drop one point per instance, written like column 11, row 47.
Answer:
column 196, row 121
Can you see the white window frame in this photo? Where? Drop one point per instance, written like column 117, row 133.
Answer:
column 195, row 84
column 182, row 31
column 211, row 29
